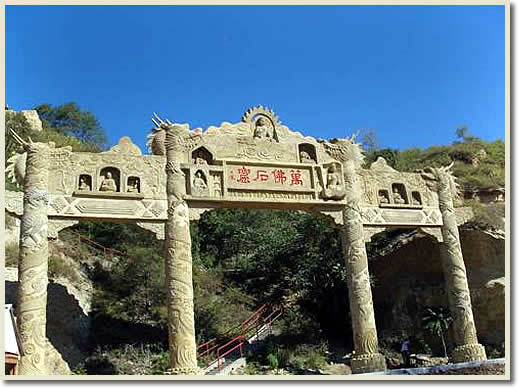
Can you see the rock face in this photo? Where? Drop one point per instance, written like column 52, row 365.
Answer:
column 485, row 262
column 409, row 279
column 68, row 323
column 34, row 120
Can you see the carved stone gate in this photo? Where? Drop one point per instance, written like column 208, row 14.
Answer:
column 256, row 163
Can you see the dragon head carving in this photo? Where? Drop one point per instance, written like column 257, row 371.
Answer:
column 441, row 178
column 345, row 150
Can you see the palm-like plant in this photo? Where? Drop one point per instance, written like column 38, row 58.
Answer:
column 437, row 320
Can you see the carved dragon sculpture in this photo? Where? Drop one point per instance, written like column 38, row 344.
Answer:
column 441, row 178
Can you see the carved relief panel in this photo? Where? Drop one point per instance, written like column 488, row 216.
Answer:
column 397, row 198
column 255, row 160
column 120, row 183
column 109, row 175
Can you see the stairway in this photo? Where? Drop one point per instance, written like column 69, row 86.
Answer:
column 226, row 356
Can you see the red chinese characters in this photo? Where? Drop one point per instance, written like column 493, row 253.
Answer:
column 278, row 176
column 244, row 175
column 262, row 176
column 296, row 177
column 256, row 177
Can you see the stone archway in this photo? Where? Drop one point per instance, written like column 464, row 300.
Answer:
column 256, row 163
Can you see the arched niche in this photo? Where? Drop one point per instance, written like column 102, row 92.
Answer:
column 109, row 179
column 307, row 153
column 202, row 156
column 84, row 182
column 399, row 194
column 133, row 184
column 383, row 196
column 264, row 128
column 199, row 184
column 416, row 198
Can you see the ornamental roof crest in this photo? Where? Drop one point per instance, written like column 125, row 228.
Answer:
column 264, row 123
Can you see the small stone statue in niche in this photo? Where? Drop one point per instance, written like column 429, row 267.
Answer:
column 333, row 178
column 334, row 187
column 83, row 185
column 108, row 183
column 200, row 160
column 383, row 196
column 305, row 157
column 133, row 186
column 262, row 130
column 199, row 185
column 416, row 199
column 216, row 186
column 199, row 182
column 397, row 196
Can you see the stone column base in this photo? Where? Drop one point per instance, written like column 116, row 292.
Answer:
column 469, row 352
column 370, row 362
column 185, row 371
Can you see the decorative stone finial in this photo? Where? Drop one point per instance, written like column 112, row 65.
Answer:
column 126, row 146
column 381, row 165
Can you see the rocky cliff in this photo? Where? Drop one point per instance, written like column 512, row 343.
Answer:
column 68, row 322
column 408, row 278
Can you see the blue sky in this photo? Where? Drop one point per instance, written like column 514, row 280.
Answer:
column 411, row 73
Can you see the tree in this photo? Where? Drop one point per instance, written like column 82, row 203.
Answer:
column 69, row 120
column 436, row 321
column 369, row 140
column 463, row 133
column 278, row 257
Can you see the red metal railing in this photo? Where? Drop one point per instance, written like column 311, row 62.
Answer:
column 220, row 354
column 254, row 317
column 108, row 252
column 277, row 311
column 207, row 349
column 262, row 317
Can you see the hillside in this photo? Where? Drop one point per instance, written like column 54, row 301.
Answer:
column 478, row 163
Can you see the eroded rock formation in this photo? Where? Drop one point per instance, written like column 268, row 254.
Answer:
column 409, row 278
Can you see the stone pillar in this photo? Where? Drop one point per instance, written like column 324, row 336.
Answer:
column 178, row 261
column 33, row 262
column 467, row 347
column 366, row 358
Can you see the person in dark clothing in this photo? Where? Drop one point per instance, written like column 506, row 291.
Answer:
column 405, row 352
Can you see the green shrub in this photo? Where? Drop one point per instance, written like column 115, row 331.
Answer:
column 316, row 361
column 126, row 360
column 80, row 369
column 419, row 345
column 273, row 361
column 160, row 363
column 495, row 351
column 307, row 356
column 60, row 267
column 487, row 216
column 250, row 369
